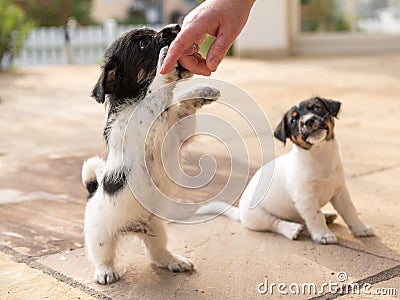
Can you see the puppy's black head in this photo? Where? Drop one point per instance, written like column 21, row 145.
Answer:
column 309, row 122
column 130, row 63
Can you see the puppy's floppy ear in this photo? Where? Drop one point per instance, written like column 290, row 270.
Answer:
column 332, row 106
column 281, row 131
column 105, row 85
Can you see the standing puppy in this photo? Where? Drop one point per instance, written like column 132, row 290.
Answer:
column 305, row 179
column 130, row 76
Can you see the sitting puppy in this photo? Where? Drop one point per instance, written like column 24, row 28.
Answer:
column 131, row 75
column 305, row 179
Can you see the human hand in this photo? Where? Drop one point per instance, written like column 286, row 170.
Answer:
column 223, row 19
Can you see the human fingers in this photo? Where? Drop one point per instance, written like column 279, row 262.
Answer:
column 219, row 48
column 182, row 44
column 195, row 63
column 194, row 30
column 175, row 50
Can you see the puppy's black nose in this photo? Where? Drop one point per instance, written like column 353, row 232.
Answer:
column 310, row 122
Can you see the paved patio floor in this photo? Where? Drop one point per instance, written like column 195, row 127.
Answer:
column 49, row 125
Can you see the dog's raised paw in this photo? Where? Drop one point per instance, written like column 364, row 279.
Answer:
column 105, row 275
column 366, row 231
column 327, row 238
column 207, row 94
column 163, row 54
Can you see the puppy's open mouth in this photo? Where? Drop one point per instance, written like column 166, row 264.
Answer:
column 317, row 136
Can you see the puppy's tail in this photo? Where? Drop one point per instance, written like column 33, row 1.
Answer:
column 91, row 171
column 217, row 207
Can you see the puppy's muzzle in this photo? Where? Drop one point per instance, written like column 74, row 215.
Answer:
column 309, row 124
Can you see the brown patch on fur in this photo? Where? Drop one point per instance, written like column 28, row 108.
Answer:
column 300, row 142
column 141, row 226
column 170, row 78
column 330, row 123
column 310, row 105
column 295, row 114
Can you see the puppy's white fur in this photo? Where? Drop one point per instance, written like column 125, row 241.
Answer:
column 303, row 182
column 106, row 216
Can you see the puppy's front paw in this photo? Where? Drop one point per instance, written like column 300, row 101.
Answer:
column 204, row 95
column 176, row 263
column 105, row 275
column 162, row 55
column 179, row 263
column 325, row 239
column 365, row 231
column 208, row 94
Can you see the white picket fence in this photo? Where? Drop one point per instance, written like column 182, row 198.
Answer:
column 49, row 45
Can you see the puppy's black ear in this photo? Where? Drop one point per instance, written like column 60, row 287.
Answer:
column 105, row 85
column 332, row 106
column 281, row 131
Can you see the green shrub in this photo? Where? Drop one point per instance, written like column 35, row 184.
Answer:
column 205, row 46
column 14, row 29
column 322, row 15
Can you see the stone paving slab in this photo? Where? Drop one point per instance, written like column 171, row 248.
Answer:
column 19, row 281
column 376, row 199
column 52, row 125
column 230, row 263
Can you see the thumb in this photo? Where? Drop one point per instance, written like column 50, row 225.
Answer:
column 218, row 50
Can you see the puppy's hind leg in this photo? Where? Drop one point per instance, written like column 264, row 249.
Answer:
column 260, row 220
column 156, row 247
column 100, row 243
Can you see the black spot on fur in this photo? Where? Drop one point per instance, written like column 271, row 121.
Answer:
column 92, row 188
column 107, row 127
column 114, row 181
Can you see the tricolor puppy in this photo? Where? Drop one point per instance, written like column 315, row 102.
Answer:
column 130, row 75
column 305, row 179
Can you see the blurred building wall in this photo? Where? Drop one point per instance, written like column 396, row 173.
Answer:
column 266, row 32
column 171, row 6
column 118, row 9
column 110, row 9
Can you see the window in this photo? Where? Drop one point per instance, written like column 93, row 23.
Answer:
column 356, row 16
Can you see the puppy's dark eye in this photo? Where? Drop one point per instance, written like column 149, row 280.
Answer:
column 294, row 117
column 143, row 44
column 316, row 108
